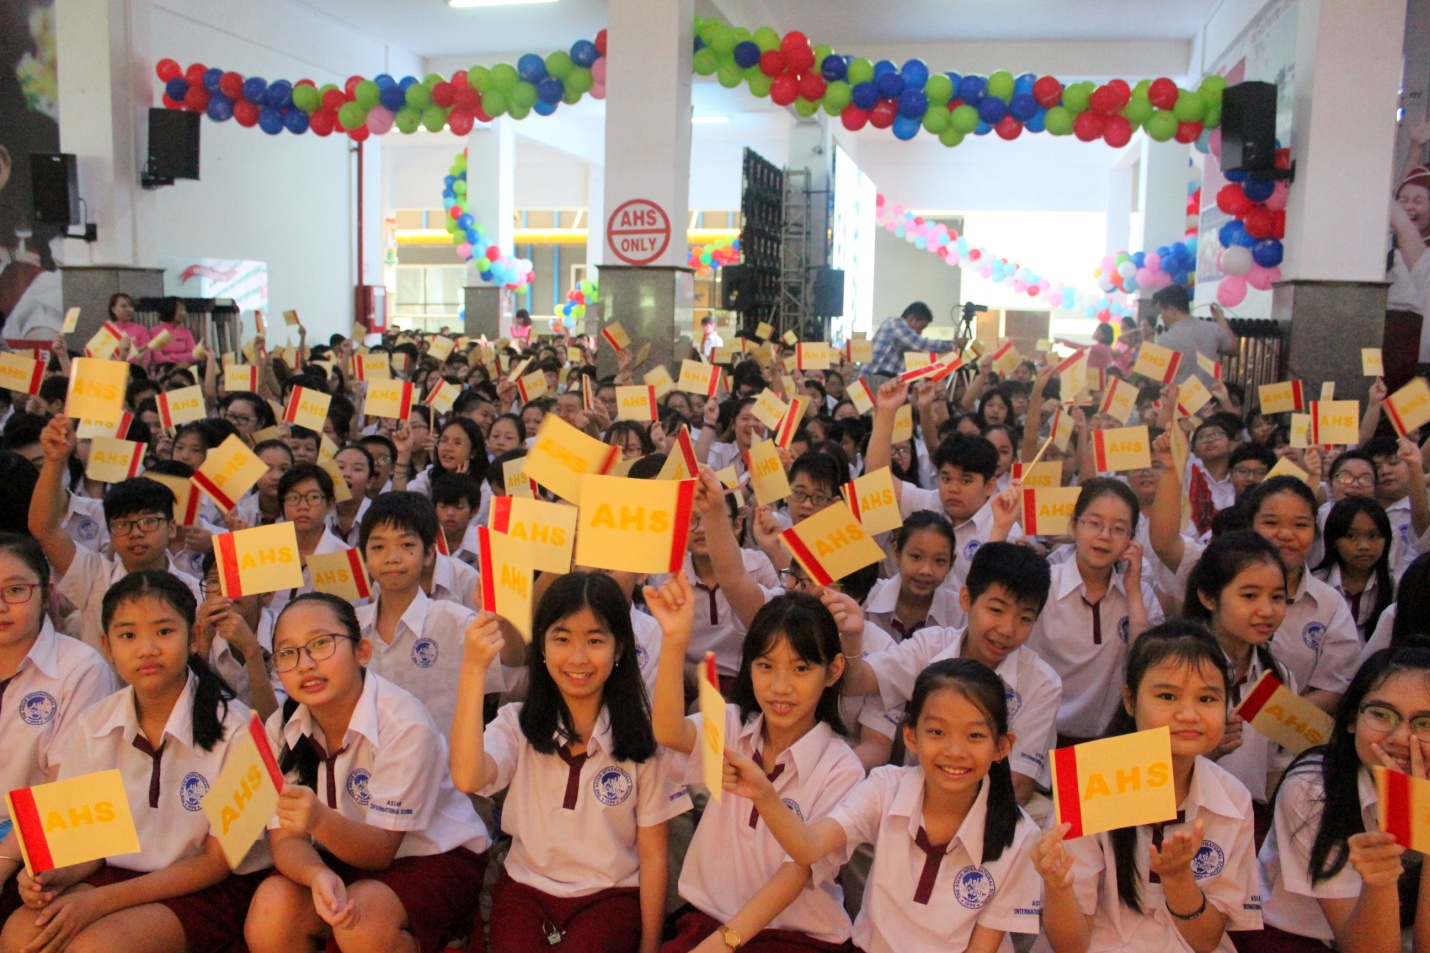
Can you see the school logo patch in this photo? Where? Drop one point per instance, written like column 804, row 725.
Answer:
column 612, row 785
column 424, row 653
column 87, row 530
column 971, row 548
column 1014, row 699
column 1311, row 635
column 1124, row 629
column 357, row 785
column 192, row 790
column 38, row 708
column 793, row 805
column 1209, row 860
column 974, row 887
column 642, row 657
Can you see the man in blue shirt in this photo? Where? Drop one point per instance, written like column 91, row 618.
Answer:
column 897, row 335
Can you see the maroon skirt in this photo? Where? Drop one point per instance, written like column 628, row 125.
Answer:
column 1272, row 940
column 439, row 892
column 693, row 927
column 212, row 918
column 524, row 920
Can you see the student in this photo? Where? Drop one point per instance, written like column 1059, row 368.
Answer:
column 458, row 499
column 1208, row 477
column 1097, row 605
column 305, row 444
column 375, row 847
column 923, row 551
column 588, row 802
column 1357, row 560
column 239, row 636
column 308, row 497
column 169, row 734
column 383, row 453
column 49, row 680
column 1352, row 474
column 744, row 891
column 1249, row 463
column 1317, row 642
column 356, row 466
column 248, row 413
column 1400, row 488
column 1178, row 886
column 416, row 641
column 948, row 826
column 1405, row 618
column 140, row 515
column 262, row 506
column 460, row 449
column 1005, row 439
column 744, row 430
column 1238, row 591
column 1007, row 588
column 1328, row 876
column 508, row 433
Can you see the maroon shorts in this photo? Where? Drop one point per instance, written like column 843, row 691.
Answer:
column 693, row 927
column 1272, row 940
column 439, row 892
column 212, row 918
column 608, row 921
column 10, row 899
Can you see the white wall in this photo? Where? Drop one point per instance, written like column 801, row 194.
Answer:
column 904, row 274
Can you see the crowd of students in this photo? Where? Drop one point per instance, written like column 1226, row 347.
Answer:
column 886, row 772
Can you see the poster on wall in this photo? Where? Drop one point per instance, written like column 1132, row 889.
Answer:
column 1264, row 51
column 246, row 282
column 29, row 111
column 853, row 228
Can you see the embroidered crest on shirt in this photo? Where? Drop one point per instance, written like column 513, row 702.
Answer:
column 38, row 708
column 1014, row 699
column 87, row 529
column 970, row 549
column 424, row 653
column 1311, row 635
column 1124, row 629
column 1209, row 860
column 974, row 887
column 192, row 790
column 357, row 781
column 612, row 785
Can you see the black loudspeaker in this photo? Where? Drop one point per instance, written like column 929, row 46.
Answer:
column 54, row 183
column 827, row 293
column 737, row 287
column 1248, row 127
column 173, row 144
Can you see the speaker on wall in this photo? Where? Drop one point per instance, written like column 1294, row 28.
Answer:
column 828, row 293
column 1248, row 127
column 54, row 184
column 173, row 145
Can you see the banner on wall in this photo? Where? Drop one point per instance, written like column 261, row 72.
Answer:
column 246, row 282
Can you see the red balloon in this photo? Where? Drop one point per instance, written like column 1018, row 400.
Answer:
column 459, row 78
column 351, row 84
column 812, row 87
column 800, row 58
column 246, row 114
column 321, row 122
column 481, row 113
column 1008, row 128
column 172, row 103
column 358, row 134
column 954, row 104
column 853, row 117
column 1034, row 291
column 601, row 42
column 1283, row 158
column 1088, row 126
column 333, row 99
column 493, row 252
column 167, row 69
column 466, row 98
column 1260, row 222
column 305, row 82
column 883, row 114
column 1047, row 92
column 1162, row 93
column 1103, row 101
column 1232, row 200
column 783, row 89
column 443, row 95
column 231, row 85
column 1116, row 131
column 772, row 63
column 460, row 121
column 1123, row 91
column 1188, row 131
column 1278, row 225
column 196, row 99
column 793, row 40
column 974, row 255
column 455, row 211
column 195, row 74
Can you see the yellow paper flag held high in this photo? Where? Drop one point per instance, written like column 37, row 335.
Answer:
column 72, row 821
column 507, row 569
column 633, row 525
column 561, row 455
column 831, row 544
column 1047, row 511
column 1120, row 450
column 229, row 471
column 343, row 574
column 96, row 390
column 871, row 499
column 258, row 560
column 1403, row 808
column 767, row 474
column 244, row 795
column 712, row 728
column 1124, row 781
column 550, row 528
column 1283, row 716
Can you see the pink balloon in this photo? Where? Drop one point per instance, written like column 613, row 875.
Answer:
column 986, row 271
column 1232, row 291
column 379, row 120
column 953, row 260
column 464, row 250
column 1152, row 261
column 1044, row 284
column 899, row 210
column 1144, row 276
column 599, row 90
column 1019, row 286
column 1277, row 202
column 598, row 71
column 1261, row 278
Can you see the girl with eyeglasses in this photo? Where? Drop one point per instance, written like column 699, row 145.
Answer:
column 48, row 680
column 1352, row 474
column 1328, row 875
column 375, row 846
column 307, row 495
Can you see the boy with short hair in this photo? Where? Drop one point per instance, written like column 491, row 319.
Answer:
column 383, row 452
column 1400, row 488
column 304, row 443
column 458, row 497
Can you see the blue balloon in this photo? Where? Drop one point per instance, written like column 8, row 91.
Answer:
column 464, row 221
column 543, row 108
column 913, row 103
column 1191, row 245
column 983, row 129
column 906, row 128
column 833, row 68
column 955, row 79
column 747, row 54
column 212, row 75
column 279, row 94
column 449, row 181
column 884, row 66
column 393, row 97
column 1234, row 175
column 1024, row 84
column 549, row 90
column 270, row 120
column 1258, row 190
column 295, row 121
column 890, row 85
column 253, row 89
column 915, row 74
column 584, row 53
column 992, row 110
column 220, row 108
column 1267, row 253
column 699, row 44
column 1038, row 121
column 864, row 95
column 1022, row 107
column 472, row 235
column 384, row 80
column 407, row 82
column 1139, row 258
column 486, row 276
column 971, row 89
column 177, row 88
column 531, row 67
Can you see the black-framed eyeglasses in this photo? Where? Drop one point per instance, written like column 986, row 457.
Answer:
column 18, row 593
column 317, row 648
column 793, row 582
column 312, row 499
column 146, row 524
column 240, row 420
column 818, row 499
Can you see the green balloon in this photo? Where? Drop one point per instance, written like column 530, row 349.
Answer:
column 482, row 263
column 837, row 95
column 1190, row 107
column 580, row 80
column 351, row 115
column 432, row 79
column 327, row 86
column 407, row 120
column 699, row 22
column 708, row 29
column 705, row 62
column 367, row 93
column 725, row 40
column 805, row 107
column 460, row 162
column 479, row 78
column 759, row 83
column 504, row 77
column 419, row 96
column 307, row 98
column 1162, row 126
column 860, row 71
column 524, row 96
column 1212, row 84
column 741, row 34
column 1138, row 110
column 950, row 137
column 559, row 64
column 936, row 120
column 1059, row 121
column 1000, row 84
column 1142, row 88
column 730, row 75
column 459, row 187
column 939, row 89
column 820, row 52
column 766, row 39
column 1212, row 117
column 964, row 118
column 518, row 112
column 571, row 96
column 1075, row 98
column 494, row 102
column 434, row 118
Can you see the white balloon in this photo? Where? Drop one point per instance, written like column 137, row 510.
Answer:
column 1236, row 260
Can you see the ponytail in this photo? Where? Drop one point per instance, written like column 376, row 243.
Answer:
column 302, row 759
column 211, row 694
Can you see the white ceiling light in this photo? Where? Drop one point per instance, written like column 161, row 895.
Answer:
column 709, row 120
column 464, row 4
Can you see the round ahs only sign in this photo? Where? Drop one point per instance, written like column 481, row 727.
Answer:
column 638, row 232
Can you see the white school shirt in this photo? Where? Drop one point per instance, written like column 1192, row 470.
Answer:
column 648, row 640
column 1030, row 686
column 1290, row 899
column 1332, row 577
column 422, row 482
column 717, row 629
column 1317, row 641
column 89, row 577
column 967, row 536
column 1253, row 762
column 1380, row 638
column 1091, row 672
column 572, row 839
column 1223, row 867
column 85, row 523
column 886, row 810
column 730, row 858
column 231, row 670
column 883, row 600
column 425, row 655
column 861, row 711
column 1404, row 542
column 722, row 455
column 327, row 543
column 1222, row 491
column 57, row 680
column 352, row 535
column 469, row 550
column 172, row 825
column 390, row 771
column 455, row 581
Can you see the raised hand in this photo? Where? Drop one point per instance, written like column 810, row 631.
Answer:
column 743, row 778
column 847, row 614
column 673, row 606
column 1376, row 857
column 892, row 394
column 58, row 439
column 482, row 643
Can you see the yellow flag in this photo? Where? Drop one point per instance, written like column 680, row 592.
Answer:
column 1283, row 716
column 343, row 574
column 658, row 379
column 240, row 377
column 20, row 373
column 1371, row 364
column 1045, row 474
column 1124, row 781
column 1191, row 397
column 1119, row 450
column 186, row 497
column 182, row 406
column 440, row 347
column 903, row 424
column 308, row 407
column 1281, row 398
column 549, row 528
column 1157, row 362
column 813, row 356
column 387, row 397
column 871, row 499
column 561, row 455
column 1119, row 400
column 767, row 474
column 258, row 560
column 112, row 460
column 507, row 568
column 72, row 821
column 637, row 402
column 244, row 795
column 697, row 377
column 769, row 409
column 229, row 471
column 96, row 390
column 712, row 728
column 1047, row 511
column 831, row 544
column 1403, row 807
column 1335, row 422
column 1409, row 407
column 633, row 525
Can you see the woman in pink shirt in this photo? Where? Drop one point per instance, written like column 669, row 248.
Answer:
column 121, row 315
column 179, row 349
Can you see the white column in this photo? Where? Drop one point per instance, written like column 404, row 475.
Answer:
column 595, row 218
column 491, row 185
column 1161, row 194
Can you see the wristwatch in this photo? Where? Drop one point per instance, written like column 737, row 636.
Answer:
column 731, row 938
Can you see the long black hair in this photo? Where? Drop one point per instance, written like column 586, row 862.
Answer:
column 478, row 460
column 982, row 687
column 1412, row 604
column 1191, row 644
column 1338, row 525
column 805, row 623
column 304, row 758
column 1225, row 558
column 212, row 694
column 545, row 717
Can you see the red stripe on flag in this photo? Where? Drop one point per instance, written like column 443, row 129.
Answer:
column 687, row 450
column 708, row 670
column 359, row 576
column 265, row 751
column 228, row 566
column 610, row 464
column 714, row 382
column 1172, row 366
column 290, row 413
column 1397, row 806
column 191, row 511
column 650, row 403
column 1395, row 419
column 605, row 333
column 501, row 514
column 37, row 377
column 166, row 418
column 680, row 533
column 136, row 461
column 1299, row 397
column 484, row 559
column 442, row 542
column 806, row 558
column 406, row 400
column 208, row 486
column 31, row 831
column 1099, row 450
column 1030, row 512
column 852, row 498
column 1069, row 802
column 1252, row 704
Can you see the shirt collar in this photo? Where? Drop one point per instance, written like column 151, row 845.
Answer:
column 441, row 577
column 44, row 654
column 363, row 721
column 909, row 802
column 1069, row 580
column 600, row 734
column 804, row 753
column 416, row 613
column 180, row 725
column 1301, row 589
column 1207, row 791
column 885, row 597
